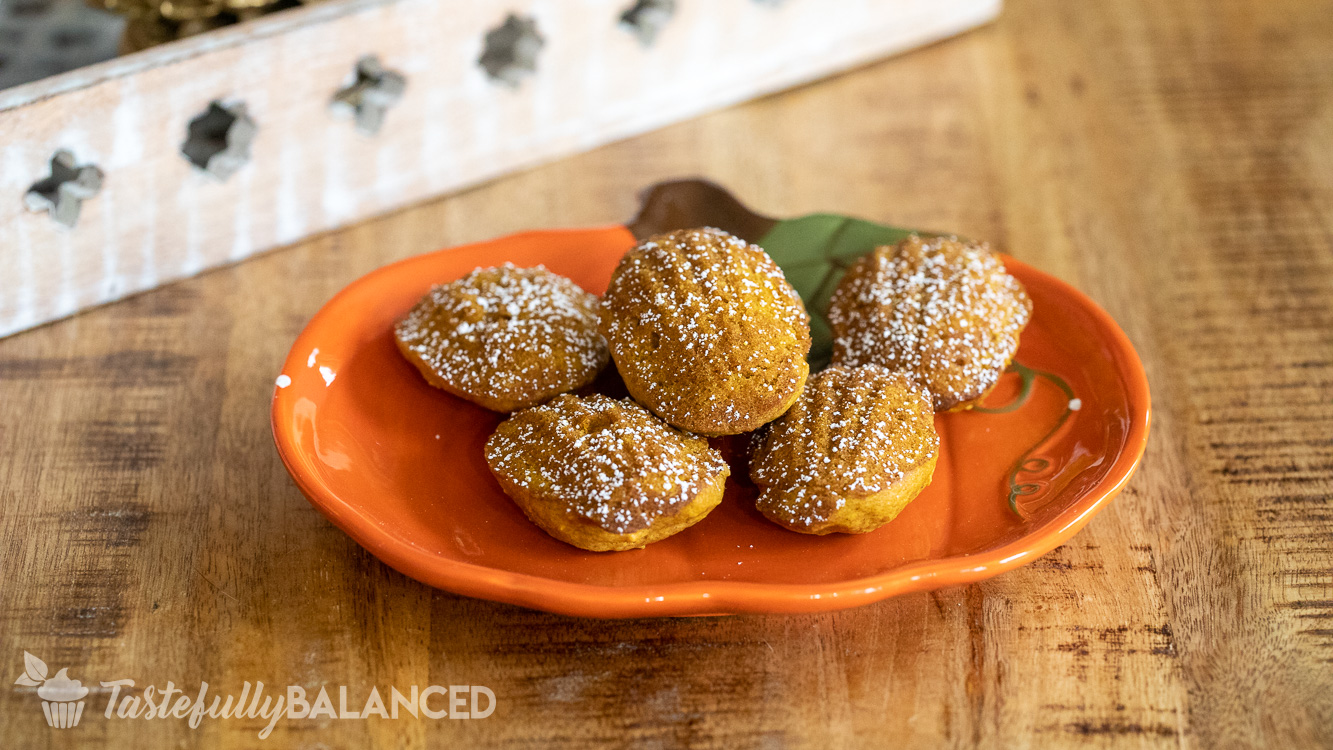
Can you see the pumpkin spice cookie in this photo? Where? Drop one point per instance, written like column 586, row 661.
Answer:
column 850, row 454
column 505, row 338
column 941, row 309
column 706, row 331
column 605, row 474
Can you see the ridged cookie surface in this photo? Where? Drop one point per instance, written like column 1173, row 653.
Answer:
column 850, row 454
column 605, row 474
column 706, row 331
column 505, row 338
column 944, row 310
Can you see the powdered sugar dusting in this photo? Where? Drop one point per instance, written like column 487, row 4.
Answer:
column 943, row 310
column 610, row 461
column 507, row 337
column 851, row 434
column 706, row 329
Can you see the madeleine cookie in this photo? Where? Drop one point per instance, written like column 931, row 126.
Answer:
column 505, row 338
column 604, row 474
column 706, row 331
column 850, row 454
column 941, row 309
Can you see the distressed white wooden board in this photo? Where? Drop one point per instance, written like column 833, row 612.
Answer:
column 158, row 218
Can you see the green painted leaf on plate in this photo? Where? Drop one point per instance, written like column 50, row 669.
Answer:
column 814, row 252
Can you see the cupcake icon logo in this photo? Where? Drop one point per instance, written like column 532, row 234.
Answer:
column 62, row 698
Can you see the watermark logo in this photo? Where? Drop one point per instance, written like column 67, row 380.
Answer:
column 62, row 698
column 63, row 701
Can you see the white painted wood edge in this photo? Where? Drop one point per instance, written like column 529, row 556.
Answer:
column 158, row 219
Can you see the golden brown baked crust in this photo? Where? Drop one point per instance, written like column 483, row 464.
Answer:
column 850, row 454
column 942, row 309
column 706, row 331
column 505, row 338
column 605, row 474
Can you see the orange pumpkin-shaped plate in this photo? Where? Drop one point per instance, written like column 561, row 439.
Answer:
column 398, row 465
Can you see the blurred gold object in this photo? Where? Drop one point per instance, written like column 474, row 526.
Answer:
column 153, row 22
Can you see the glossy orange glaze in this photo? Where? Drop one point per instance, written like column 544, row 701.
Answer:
column 398, row 465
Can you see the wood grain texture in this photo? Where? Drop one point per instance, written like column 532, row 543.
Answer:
column 1174, row 160
column 158, row 218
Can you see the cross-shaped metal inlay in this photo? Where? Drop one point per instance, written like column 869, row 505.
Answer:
column 647, row 17
column 511, row 50
column 370, row 95
column 218, row 141
column 64, row 191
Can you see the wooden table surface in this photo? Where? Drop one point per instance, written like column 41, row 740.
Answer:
column 1172, row 159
